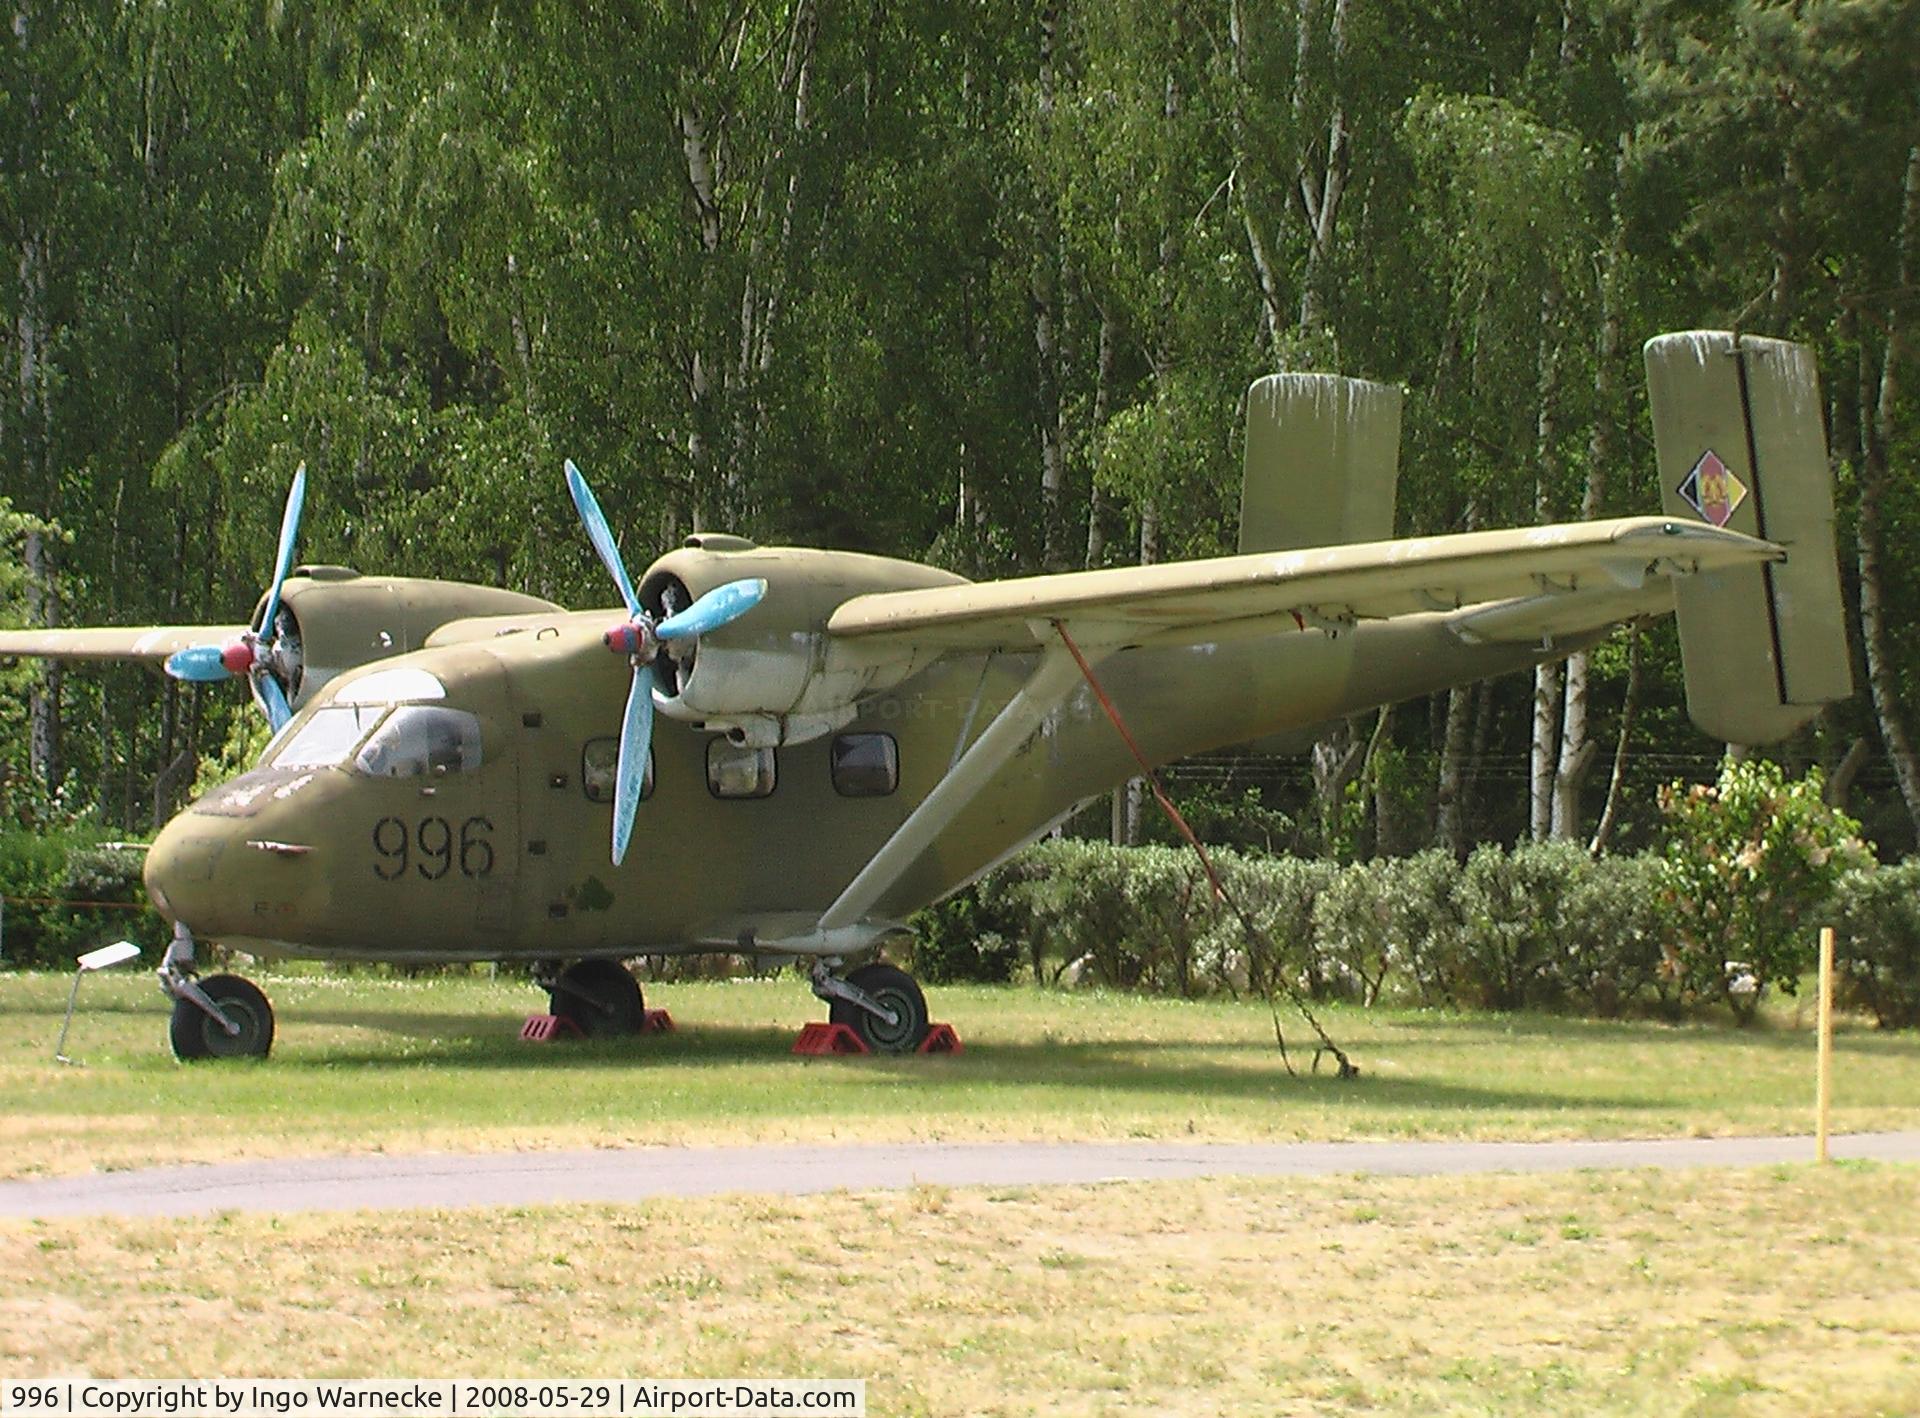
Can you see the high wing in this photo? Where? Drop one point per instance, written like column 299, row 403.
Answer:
column 1626, row 561
column 132, row 642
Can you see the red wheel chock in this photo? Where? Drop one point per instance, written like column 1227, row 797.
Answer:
column 545, row 1028
column 819, row 1038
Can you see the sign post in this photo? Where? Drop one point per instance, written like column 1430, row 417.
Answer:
column 1823, row 1105
column 107, row 955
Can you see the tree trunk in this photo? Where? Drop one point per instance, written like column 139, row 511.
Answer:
column 1610, row 814
column 1577, row 750
column 1878, row 433
column 1450, row 816
column 1149, row 554
column 32, row 335
column 1045, row 289
column 1323, row 184
column 1252, row 203
column 1102, row 407
column 1546, row 677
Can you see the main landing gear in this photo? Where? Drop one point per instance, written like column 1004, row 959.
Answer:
column 599, row 997
column 220, row 1017
column 879, row 1002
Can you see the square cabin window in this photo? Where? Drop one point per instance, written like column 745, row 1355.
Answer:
column 865, row 765
column 598, row 760
column 735, row 772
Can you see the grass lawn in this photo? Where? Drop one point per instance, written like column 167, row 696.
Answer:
column 1790, row 1291
column 368, row 1063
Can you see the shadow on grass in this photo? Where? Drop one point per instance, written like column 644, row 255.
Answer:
column 1107, row 1066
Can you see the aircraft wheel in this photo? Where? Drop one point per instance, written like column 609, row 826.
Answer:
column 198, row 1035
column 601, row 997
column 897, row 991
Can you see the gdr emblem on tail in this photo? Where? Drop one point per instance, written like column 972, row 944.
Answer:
column 1712, row 490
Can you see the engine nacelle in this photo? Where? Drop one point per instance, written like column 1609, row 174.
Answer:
column 775, row 676
column 335, row 619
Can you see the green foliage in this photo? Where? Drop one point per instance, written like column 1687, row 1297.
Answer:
column 1877, row 917
column 1750, row 863
column 246, row 740
column 66, row 892
column 955, row 942
column 1541, row 926
column 427, row 250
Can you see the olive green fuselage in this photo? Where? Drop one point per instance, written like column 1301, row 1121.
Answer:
column 510, row 860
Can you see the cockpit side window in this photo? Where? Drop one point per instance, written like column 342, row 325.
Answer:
column 420, row 739
column 328, row 737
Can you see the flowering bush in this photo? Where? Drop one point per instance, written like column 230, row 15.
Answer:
column 1747, row 867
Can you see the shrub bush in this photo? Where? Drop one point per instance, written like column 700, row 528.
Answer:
column 1540, row 927
column 1279, row 895
column 1748, row 864
column 41, row 873
column 955, row 942
column 1877, row 915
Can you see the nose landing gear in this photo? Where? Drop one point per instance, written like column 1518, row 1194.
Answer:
column 220, row 1017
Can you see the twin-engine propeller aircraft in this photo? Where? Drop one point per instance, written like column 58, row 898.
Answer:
column 843, row 739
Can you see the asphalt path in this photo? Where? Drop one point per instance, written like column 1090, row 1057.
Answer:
column 388, row 1182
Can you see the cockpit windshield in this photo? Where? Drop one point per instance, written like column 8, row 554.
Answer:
column 395, row 739
column 329, row 736
column 419, row 739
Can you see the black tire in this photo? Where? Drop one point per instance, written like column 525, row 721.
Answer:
column 197, row 1035
column 601, row 997
column 895, row 989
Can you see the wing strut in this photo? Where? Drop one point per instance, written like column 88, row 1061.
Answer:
column 1053, row 679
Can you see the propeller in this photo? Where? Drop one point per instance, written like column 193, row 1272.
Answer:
column 639, row 637
column 250, row 654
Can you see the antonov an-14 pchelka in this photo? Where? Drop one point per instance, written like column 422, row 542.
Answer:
column 815, row 744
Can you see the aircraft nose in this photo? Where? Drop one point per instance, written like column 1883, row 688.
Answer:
column 180, row 873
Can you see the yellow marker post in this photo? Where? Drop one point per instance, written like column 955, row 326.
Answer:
column 1824, row 1088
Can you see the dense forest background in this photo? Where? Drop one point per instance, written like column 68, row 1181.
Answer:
column 979, row 283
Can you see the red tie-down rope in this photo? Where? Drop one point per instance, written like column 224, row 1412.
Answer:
column 1255, row 936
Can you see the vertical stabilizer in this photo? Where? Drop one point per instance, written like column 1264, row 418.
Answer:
column 1737, row 424
column 1323, row 459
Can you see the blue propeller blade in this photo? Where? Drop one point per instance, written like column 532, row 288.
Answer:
column 283, row 560
column 718, row 607
column 602, row 536
column 197, row 662
column 274, row 700
column 630, row 774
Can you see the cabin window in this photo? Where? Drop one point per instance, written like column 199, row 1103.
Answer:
column 391, row 686
column 599, row 760
column 865, row 765
column 735, row 772
column 416, row 740
column 328, row 737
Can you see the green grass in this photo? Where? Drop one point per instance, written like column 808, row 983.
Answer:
column 365, row 1063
